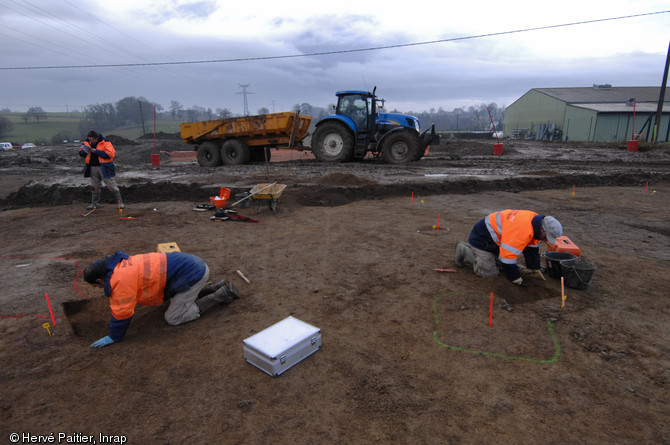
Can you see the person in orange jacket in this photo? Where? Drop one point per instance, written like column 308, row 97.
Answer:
column 99, row 154
column 497, row 241
column 151, row 279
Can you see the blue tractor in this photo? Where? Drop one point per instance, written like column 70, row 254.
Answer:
column 357, row 128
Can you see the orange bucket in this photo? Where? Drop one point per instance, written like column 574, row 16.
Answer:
column 220, row 201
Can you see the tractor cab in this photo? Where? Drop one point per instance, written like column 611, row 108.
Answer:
column 359, row 108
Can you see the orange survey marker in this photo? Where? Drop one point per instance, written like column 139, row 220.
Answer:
column 564, row 244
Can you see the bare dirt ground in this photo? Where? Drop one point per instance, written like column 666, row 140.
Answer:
column 408, row 354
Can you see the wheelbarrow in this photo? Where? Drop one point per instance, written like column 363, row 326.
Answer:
column 267, row 192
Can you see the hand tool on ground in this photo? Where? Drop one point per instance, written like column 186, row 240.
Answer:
column 243, row 277
column 438, row 270
column 203, row 207
column 89, row 212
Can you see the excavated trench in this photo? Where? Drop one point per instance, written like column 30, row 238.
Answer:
column 48, row 177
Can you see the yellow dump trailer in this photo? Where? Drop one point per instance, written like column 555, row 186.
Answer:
column 243, row 139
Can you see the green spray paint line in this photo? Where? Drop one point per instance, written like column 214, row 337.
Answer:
column 550, row 327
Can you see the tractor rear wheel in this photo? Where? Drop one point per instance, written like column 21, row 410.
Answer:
column 333, row 143
column 209, row 154
column 400, row 148
column 235, row 152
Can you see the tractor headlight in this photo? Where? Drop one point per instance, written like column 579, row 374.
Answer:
column 413, row 123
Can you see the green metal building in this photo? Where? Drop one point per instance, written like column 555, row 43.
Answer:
column 601, row 114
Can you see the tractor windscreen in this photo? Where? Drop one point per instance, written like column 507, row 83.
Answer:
column 356, row 107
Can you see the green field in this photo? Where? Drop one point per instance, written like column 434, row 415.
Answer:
column 67, row 125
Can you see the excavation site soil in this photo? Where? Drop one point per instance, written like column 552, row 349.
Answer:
column 409, row 355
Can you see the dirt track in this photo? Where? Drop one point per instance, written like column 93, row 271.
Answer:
column 408, row 355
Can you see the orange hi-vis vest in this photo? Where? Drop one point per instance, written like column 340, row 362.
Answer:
column 105, row 146
column 140, row 279
column 513, row 231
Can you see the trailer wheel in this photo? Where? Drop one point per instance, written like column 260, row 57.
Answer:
column 209, row 154
column 400, row 148
column 235, row 152
column 332, row 143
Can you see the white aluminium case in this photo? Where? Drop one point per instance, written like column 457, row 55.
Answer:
column 282, row 345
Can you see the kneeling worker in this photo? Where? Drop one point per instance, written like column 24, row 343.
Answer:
column 150, row 279
column 502, row 237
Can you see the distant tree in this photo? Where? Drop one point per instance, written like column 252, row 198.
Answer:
column 306, row 108
column 36, row 113
column 134, row 110
column 175, row 109
column 263, row 110
column 224, row 113
column 191, row 115
column 5, row 110
column 101, row 117
column 5, row 126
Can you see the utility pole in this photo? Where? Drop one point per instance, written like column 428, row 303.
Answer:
column 244, row 94
column 142, row 116
column 661, row 99
column 273, row 105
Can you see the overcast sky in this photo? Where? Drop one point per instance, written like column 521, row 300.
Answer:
column 278, row 42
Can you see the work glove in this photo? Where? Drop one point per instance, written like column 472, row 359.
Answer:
column 518, row 281
column 104, row 341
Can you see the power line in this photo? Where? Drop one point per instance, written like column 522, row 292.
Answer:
column 344, row 51
column 64, row 26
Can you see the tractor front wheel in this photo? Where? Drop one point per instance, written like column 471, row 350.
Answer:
column 400, row 148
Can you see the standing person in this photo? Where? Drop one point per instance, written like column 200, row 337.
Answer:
column 502, row 237
column 99, row 154
column 151, row 279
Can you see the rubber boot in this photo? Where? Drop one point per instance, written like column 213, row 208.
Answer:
column 211, row 288
column 218, row 297
column 119, row 201
column 233, row 291
column 95, row 201
column 464, row 254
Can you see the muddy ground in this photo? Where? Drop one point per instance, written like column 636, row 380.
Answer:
column 408, row 354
